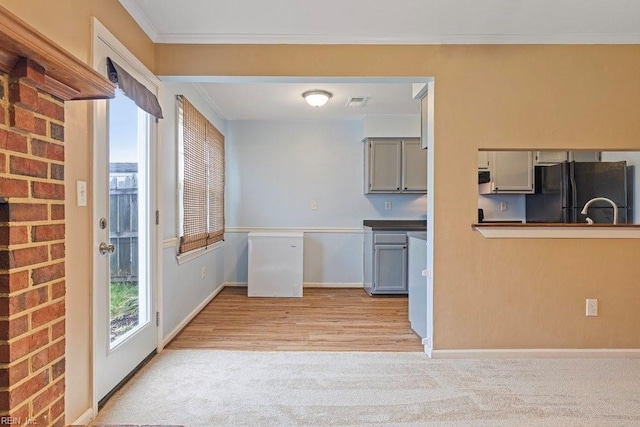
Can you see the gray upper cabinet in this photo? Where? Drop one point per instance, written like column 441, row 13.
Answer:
column 484, row 160
column 511, row 173
column 414, row 167
column 585, row 156
column 395, row 166
column 554, row 156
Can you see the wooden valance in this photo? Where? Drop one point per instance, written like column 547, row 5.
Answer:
column 66, row 76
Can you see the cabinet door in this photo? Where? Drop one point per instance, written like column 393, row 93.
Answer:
column 414, row 167
column 512, row 172
column 390, row 274
column 385, row 157
column 585, row 156
column 550, row 157
column 484, row 160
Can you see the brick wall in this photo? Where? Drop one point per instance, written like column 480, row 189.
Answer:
column 32, row 259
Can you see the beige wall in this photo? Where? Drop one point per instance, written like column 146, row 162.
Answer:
column 68, row 23
column 494, row 293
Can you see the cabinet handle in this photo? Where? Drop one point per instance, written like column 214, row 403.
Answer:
column 397, row 188
column 406, row 188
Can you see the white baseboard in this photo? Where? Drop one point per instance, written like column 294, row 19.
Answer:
column 538, row 353
column 84, row 419
column 333, row 285
column 307, row 285
column 428, row 348
column 191, row 315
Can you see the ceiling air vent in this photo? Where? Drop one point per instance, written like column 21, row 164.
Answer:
column 356, row 101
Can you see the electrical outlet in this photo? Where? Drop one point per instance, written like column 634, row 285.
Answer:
column 387, row 206
column 203, row 272
column 314, row 205
column 592, row 307
column 504, row 206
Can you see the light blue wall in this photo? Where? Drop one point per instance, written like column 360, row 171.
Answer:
column 183, row 288
column 276, row 169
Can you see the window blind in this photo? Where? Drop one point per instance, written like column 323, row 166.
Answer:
column 202, row 148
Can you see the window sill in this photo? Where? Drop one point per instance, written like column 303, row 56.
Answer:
column 557, row 231
column 197, row 253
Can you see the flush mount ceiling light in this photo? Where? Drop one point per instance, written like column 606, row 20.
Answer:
column 316, row 98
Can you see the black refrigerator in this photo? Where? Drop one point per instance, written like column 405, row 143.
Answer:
column 562, row 190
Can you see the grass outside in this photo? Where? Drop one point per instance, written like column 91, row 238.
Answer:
column 124, row 307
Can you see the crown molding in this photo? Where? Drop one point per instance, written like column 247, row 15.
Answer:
column 141, row 18
column 410, row 39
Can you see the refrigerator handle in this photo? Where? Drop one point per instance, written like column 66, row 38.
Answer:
column 573, row 189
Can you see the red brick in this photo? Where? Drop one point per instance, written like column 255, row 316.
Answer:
column 47, row 190
column 17, row 258
column 28, row 167
column 21, row 412
column 45, row 399
column 57, row 251
column 47, row 314
column 13, row 141
column 57, row 212
column 50, row 109
column 14, row 373
column 41, row 126
column 23, row 212
column 29, row 388
column 58, row 369
column 44, row 233
column 38, row 340
column 30, row 71
column 21, row 118
column 3, row 163
column 23, row 94
column 56, row 350
column 58, row 290
column 14, row 235
column 14, row 351
column 13, row 328
column 48, row 273
column 14, row 281
column 57, row 172
column 57, row 409
column 40, row 359
column 57, row 131
column 18, row 303
column 14, row 187
column 58, row 330
column 47, row 150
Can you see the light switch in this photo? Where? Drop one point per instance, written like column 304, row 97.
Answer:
column 82, row 193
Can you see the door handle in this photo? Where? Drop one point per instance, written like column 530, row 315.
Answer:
column 104, row 248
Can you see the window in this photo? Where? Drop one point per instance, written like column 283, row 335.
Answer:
column 201, row 175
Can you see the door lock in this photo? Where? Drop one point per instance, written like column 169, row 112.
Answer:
column 103, row 223
column 104, row 248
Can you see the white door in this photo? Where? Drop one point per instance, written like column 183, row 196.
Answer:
column 124, row 232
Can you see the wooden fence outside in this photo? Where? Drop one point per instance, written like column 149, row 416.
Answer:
column 123, row 221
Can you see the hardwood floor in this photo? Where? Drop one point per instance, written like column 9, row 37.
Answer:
column 322, row 320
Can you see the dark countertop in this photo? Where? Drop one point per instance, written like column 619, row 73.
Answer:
column 396, row 224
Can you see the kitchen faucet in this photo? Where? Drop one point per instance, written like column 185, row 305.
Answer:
column 600, row 199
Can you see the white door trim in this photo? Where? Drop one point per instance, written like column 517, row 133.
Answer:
column 101, row 34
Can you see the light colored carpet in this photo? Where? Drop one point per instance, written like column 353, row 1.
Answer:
column 234, row 388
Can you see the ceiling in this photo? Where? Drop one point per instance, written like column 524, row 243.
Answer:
column 388, row 21
column 366, row 22
column 283, row 101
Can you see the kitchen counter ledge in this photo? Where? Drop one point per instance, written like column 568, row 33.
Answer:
column 557, row 231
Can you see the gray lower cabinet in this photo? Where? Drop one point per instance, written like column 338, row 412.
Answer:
column 390, row 268
column 385, row 262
